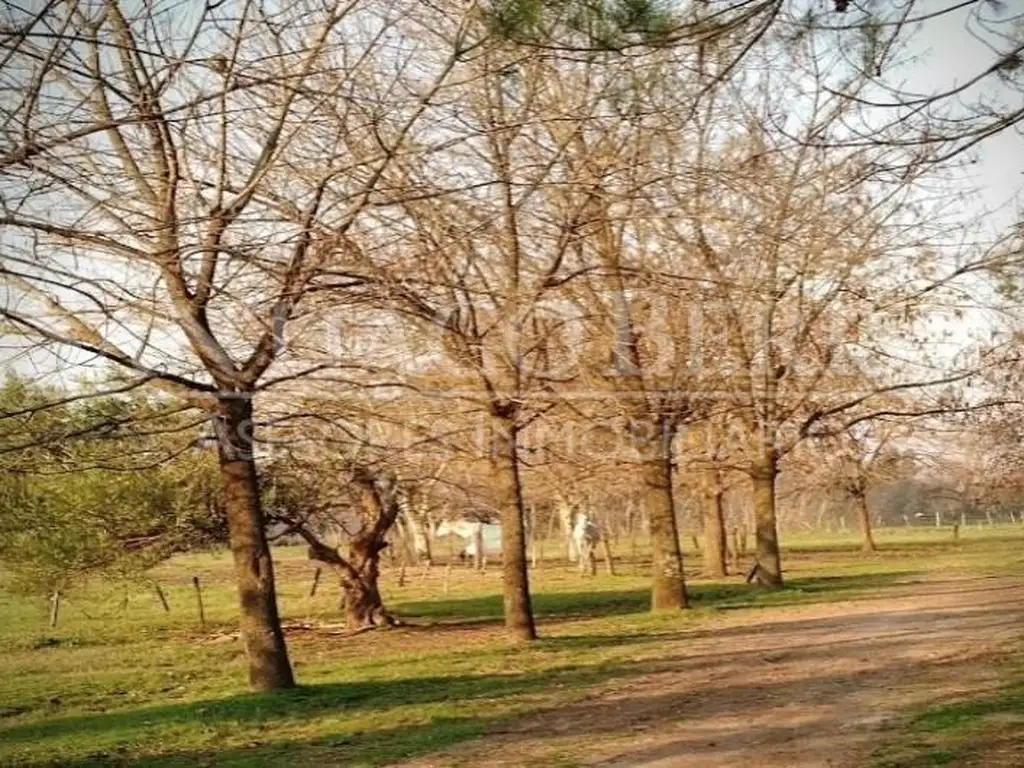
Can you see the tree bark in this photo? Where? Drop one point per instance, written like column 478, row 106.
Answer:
column 769, row 562
column 418, row 528
column 269, row 667
column 478, row 548
column 714, row 534
column 359, row 570
column 362, row 602
column 519, row 621
column 668, row 586
column 868, row 540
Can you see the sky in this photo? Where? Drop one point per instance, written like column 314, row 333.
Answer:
column 949, row 54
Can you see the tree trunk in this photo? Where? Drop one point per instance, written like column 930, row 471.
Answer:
column 515, row 577
column 868, row 540
column 714, row 535
column 428, row 552
column 769, row 563
column 668, row 587
column 565, row 516
column 362, row 603
column 735, row 550
column 588, row 559
column 607, row 552
column 478, row 547
column 269, row 668
column 360, row 577
column 534, row 535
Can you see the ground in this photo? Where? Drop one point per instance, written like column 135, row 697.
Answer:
column 910, row 657
column 805, row 687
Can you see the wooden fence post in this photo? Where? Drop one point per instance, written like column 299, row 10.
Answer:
column 54, row 606
column 199, row 601
column 162, row 596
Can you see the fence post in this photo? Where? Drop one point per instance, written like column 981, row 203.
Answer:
column 54, row 606
column 199, row 601
column 163, row 598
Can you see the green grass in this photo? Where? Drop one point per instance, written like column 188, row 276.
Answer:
column 957, row 733
column 122, row 681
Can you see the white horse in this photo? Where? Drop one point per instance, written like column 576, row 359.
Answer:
column 470, row 531
column 586, row 535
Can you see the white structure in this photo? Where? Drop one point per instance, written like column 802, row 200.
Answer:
column 472, row 531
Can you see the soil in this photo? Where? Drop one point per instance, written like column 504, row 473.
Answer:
column 799, row 687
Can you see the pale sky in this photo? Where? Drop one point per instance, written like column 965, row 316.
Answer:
column 952, row 55
column 949, row 55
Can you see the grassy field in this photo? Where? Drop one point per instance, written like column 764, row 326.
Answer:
column 122, row 680
column 985, row 729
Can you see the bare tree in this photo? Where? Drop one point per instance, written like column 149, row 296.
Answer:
column 167, row 186
column 854, row 463
column 799, row 247
column 358, row 500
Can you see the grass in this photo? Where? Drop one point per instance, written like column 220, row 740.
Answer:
column 122, row 681
column 985, row 729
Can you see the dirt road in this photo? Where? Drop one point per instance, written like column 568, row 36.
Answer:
column 799, row 687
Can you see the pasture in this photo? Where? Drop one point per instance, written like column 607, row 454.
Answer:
column 906, row 658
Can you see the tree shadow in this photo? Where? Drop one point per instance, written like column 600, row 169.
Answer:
column 582, row 605
column 301, row 704
column 593, row 717
column 352, row 749
column 386, row 738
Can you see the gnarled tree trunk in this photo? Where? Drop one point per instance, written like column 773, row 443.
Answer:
column 715, row 549
column 359, row 570
column 362, row 602
column 269, row 667
column 769, row 562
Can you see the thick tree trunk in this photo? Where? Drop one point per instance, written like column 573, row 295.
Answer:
column 668, row 587
column 769, row 562
column 269, row 668
column 715, row 549
column 363, row 606
column 515, row 577
column 867, row 537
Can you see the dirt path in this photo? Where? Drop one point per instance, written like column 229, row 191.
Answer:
column 802, row 687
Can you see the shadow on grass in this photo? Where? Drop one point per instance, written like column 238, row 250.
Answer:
column 574, row 605
column 363, row 723
column 302, row 705
column 352, row 750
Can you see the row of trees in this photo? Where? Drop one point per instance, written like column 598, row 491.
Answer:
column 551, row 239
column 107, row 487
